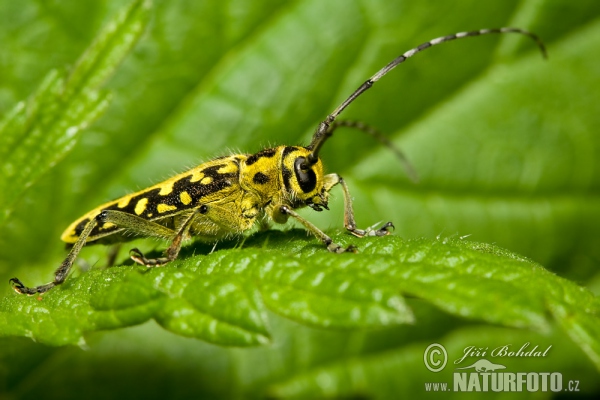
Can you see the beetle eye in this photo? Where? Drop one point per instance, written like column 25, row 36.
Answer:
column 306, row 176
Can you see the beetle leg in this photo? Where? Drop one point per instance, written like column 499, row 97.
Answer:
column 61, row 273
column 349, row 221
column 171, row 252
column 327, row 241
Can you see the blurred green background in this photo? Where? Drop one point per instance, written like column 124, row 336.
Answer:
column 506, row 145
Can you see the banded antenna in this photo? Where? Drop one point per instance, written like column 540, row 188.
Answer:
column 326, row 128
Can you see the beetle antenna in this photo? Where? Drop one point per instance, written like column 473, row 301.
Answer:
column 326, row 128
column 369, row 130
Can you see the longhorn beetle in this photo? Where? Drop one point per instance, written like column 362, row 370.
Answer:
column 228, row 195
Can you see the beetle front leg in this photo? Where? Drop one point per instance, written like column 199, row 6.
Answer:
column 143, row 227
column 349, row 221
column 326, row 240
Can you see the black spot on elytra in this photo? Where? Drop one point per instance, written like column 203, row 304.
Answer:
column 260, row 178
column 81, row 226
column 196, row 190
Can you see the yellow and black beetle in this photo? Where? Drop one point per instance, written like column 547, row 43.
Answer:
column 228, row 195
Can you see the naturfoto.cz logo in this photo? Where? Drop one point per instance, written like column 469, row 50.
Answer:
column 484, row 375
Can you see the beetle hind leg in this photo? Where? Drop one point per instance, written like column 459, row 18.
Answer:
column 61, row 273
column 19, row 287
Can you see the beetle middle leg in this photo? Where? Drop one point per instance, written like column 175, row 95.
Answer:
column 322, row 236
column 172, row 251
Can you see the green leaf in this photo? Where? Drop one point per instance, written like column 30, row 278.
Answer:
column 215, row 308
column 38, row 133
column 311, row 294
column 221, row 297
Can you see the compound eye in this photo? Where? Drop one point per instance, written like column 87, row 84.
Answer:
column 307, row 180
